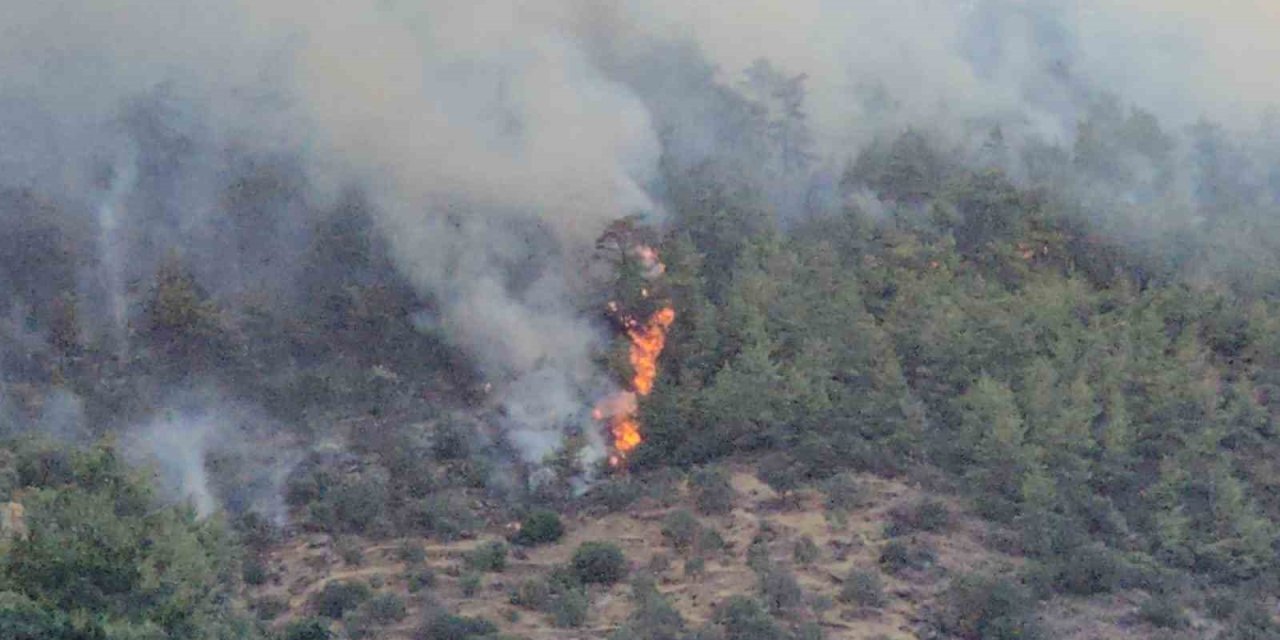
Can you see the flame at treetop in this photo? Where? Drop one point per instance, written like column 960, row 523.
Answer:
column 647, row 338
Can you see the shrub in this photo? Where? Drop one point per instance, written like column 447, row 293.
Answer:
column 898, row 556
column 539, row 527
column 842, row 492
column 385, row 608
column 695, row 567
column 420, row 578
column 470, row 583
column 270, row 607
column 680, row 529
column 569, row 610
column 599, row 563
column 713, row 495
column 744, row 619
column 1162, row 611
column 863, row 588
column 444, row 626
column 411, row 553
column 617, row 494
column 1088, row 570
column 340, row 596
column 806, row 551
column 779, row 589
column 1252, row 622
column 441, row 516
column 254, row 571
column 349, row 549
column 925, row 514
column 979, row 607
column 781, row 473
column 532, row 594
column 307, row 629
column 490, row 556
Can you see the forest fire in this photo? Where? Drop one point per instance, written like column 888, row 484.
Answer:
column 648, row 338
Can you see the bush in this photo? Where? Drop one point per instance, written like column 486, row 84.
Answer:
column 420, row 578
column 411, row 553
column 979, row 607
column 270, row 607
column 617, row 494
column 1252, row 622
column 307, row 629
column 781, row 473
column 539, row 527
column 898, row 556
column 599, row 563
column 254, row 571
column 744, row 619
column 1089, row 570
column 569, row 610
column 863, row 588
column 925, row 514
column 385, row 608
column 680, row 529
column 349, row 549
column 532, row 594
column 843, row 493
column 444, row 626
column 441, row 516
column 806, row 551
column 340, row 596
column 779, row 589
column 470, row 584
column 712, row 493
column 1162, row 611
column 490, row 556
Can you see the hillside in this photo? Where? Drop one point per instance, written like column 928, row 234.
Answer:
column 909, row 603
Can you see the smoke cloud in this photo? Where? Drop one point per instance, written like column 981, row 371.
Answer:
column 496, row 139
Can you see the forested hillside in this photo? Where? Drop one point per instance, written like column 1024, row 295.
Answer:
column 652, row 320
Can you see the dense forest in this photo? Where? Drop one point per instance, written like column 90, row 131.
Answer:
column 1074, row 340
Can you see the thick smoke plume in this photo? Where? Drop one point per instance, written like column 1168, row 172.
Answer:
column 496, row 139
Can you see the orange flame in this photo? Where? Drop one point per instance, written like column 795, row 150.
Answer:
column 647, row 342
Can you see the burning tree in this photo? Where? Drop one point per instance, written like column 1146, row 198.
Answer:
column 644, row 317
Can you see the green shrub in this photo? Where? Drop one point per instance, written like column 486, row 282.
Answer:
column 617, row 494
column 1163, row 611
column 806, row 551
column 780, row 590
column 863, row 588
column 411, row 553
column 743, row 618
column 350, row 550
column 979, row 607
column 599, row 563
column 925, row 514
column 712, row 493
column 680, row 529
column 533, row 593
column 843, row 493
column 254, row 571
column 539, row 527
column 898, row 556
column 385, row 608
column 444, row 626
column 695, row 567
column 1088, row 570
column 569, row 610
column 470, row 583
column 442, row 516
column 270, row 607
column 339, row 596
column 307, row 629
column 420, row 578
column 490, row 556
column 1252, row 621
